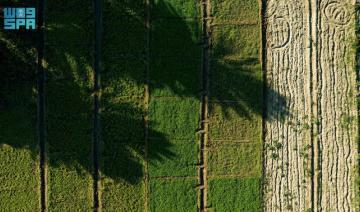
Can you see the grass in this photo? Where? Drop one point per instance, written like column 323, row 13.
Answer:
column 230, row 122
column 19, row 172
column 122, row 182
column 235, row 112
column 173, row 195
column 242, row 42
column 247, row 11
column 176, row 37
column 170, row 77
column 123, row 78
column 69, row 106
column 122, row 149
column 243, row 159
column 19, row 150
column 237, row 80
column 68, row 141
column 176, row 8
column 175, row 118
column 235, row 194
column 122, row 196
column 181, row 159
column 175, row 88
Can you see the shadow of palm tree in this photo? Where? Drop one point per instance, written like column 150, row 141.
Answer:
column 175, row 71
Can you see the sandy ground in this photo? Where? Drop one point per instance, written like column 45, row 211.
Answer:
column 311, row 124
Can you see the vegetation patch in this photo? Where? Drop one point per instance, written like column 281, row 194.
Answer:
column 235, row 194
column 177, row 158
column 241, row 159
column 173, row 195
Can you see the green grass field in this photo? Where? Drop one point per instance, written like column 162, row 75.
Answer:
column 122, row 108
column 234, row 153
column 174, row 111
column 148, row 74
column 19, row 149
column 69, row 105
column 19, row 160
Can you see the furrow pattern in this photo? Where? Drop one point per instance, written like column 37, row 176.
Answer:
column 287, row 127
column 336, row 114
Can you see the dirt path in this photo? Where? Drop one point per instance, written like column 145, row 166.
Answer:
column 310, row 130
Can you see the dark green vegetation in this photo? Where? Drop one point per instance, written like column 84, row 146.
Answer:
column 235, row 194
column 175, row 71
column 19, row 161
column 123, row 107
column 68, row 86
column 18, row 143
column 234, row 153
column 150, row 108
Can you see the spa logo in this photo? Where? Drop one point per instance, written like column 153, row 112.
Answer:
column 16, row 18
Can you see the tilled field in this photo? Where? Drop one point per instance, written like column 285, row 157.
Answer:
column 311, row 145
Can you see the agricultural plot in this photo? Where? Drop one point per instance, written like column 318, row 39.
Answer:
column 310, row 62
column 122, row 151
column 336, row 169
column 19, row 161
column 174, row 109
column 200, row 107
column 235, row 107
column 68, row 85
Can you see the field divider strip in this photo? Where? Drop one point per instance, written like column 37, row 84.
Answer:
column 315, row 145
column 204, row 124
column 96, row 109
column 41, row 126
column 147, row 103
column 230, row 176
column 174, row 177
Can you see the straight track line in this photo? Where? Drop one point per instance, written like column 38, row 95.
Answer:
column 264, row 99
column 204, row 125
column 96, row 115
column 41, row 101
column 147, row 102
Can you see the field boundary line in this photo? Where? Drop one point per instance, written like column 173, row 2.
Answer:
column 147, row 103
column 41, row 126
column 204, row 124
column 174, row 178
column 96, row 109
column 263, row 28
column 231, row 176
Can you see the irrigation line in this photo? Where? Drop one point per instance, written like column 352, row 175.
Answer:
column 264, row 100
column 41, row 101
column 204, row 125
column 357, row 68
column 147, row 101
column 96, row 123
column 315, row 109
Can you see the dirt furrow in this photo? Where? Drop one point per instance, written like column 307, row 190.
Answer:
column 311, row 120
column 287, row 127
column 336, row 106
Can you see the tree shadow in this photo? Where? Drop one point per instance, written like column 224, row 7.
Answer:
column 175, row 70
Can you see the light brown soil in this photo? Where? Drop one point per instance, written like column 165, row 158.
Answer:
column 311, row 124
